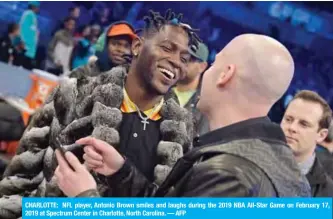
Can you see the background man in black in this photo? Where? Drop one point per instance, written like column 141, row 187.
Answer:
column 305, row 124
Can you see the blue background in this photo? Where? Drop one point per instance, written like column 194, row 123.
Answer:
column 234, row 213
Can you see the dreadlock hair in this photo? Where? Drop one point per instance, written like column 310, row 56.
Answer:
column 154, row 21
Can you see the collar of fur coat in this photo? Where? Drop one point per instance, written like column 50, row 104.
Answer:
column 85, row 106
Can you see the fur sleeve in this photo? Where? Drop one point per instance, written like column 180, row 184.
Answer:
column 24, row 172
column 10, row 207
column 38, row 128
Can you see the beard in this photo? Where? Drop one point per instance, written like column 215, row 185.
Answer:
column 185, row 81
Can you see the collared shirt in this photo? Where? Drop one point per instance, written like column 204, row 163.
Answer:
column 129, row 107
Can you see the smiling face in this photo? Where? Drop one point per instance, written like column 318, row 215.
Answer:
column 163, row 58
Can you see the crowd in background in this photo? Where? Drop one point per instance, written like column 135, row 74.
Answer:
column 70, row 46
column 72, row 42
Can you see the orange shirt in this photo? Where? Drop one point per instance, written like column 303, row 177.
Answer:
column 129, row 107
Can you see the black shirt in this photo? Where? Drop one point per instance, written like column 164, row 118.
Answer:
column 139, row 145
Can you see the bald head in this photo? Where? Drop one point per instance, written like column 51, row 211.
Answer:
column 264, row 68
column 251, row 71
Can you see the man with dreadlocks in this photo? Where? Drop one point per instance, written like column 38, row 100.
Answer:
column 244, row 154
column 131, row 110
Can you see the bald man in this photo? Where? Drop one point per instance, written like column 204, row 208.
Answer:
column 244, row 154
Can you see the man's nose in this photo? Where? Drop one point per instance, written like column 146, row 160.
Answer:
column 121, row 49
column 293, row 127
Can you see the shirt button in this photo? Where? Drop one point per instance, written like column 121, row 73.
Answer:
column 192, row 105
column 135, row 135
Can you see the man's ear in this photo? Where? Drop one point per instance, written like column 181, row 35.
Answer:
column 137, row 46
column 322, row 134
column 226, row 75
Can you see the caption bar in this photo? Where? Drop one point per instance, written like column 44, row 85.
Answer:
column 176, row 207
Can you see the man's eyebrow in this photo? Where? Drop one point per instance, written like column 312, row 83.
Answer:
column 187, row 49
column 305, row 122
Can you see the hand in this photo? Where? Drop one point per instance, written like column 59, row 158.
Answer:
column 101, row 157
column 73, row 182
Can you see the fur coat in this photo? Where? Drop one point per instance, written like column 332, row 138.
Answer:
column 80, row 107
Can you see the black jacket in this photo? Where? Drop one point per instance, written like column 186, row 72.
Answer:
column 247, row 159
column 321, row 184
column 326, row 160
